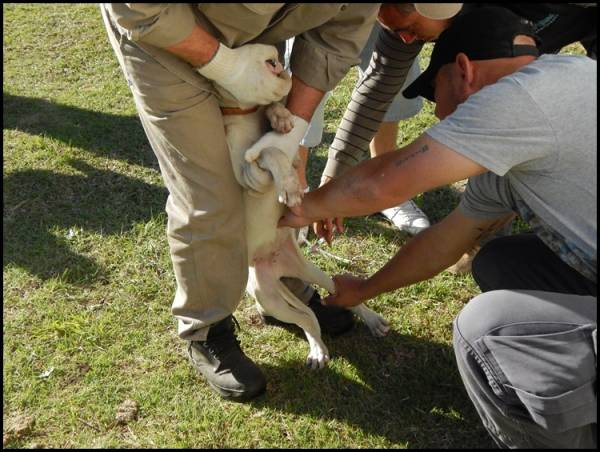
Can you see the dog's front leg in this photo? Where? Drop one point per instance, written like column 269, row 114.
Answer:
column 240, row 132
column 285, row 177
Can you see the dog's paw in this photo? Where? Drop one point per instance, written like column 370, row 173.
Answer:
column 317, row 359
column 378, row 326
column 289, row 191
column 280, row 117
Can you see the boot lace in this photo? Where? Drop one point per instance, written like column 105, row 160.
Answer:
column 224, row 344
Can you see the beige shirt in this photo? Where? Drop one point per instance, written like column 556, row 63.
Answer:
column 329, row 36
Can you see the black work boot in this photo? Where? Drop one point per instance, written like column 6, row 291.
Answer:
column 222, row 362
column 333, row 320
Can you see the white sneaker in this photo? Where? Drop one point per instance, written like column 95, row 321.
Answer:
column 407, row 217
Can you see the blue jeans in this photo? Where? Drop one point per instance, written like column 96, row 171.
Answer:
column 527, row 355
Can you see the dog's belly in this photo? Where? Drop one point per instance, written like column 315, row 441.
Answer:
column 262, row 215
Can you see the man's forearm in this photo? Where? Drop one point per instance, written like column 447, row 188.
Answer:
column 430, row 252
column 197, row 49
column 357, row 192
column 423, row 257
column 387, row 180
column 303, row 99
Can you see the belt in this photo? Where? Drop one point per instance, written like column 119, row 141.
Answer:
column 238, row 111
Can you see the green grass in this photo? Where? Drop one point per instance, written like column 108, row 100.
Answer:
column 88, row 284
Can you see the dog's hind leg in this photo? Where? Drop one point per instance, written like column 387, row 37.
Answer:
column 275, row 299
column 293, row 264
column 377, row 324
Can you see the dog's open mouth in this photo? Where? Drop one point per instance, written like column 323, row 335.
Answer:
column 275, row 66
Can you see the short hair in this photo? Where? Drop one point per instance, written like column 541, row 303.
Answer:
column 405, row 7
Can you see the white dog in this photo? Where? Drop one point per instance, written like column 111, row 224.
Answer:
column 273, row 252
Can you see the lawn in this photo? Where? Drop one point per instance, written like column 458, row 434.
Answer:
column 88, row 284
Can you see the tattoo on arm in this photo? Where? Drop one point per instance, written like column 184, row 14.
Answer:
column 404, row 158
column 491, row 229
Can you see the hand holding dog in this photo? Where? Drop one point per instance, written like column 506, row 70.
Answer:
column 255, row 178
column 325, row 227
column 299, row 216
column 251, row 73
column 348, row 290
column 289, row 130
column 293, row 217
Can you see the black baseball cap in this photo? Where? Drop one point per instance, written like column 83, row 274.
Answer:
column 482, row 34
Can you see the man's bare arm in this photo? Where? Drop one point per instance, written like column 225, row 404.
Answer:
column 434, row 250
column 303, row 99
column 423, row 257
column 384, row 181
column 197, row 48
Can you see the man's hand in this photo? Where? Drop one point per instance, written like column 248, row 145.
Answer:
column 324, row 228
column 347, row 292
column 293, row 217
column 299, row 216
column 251, row 73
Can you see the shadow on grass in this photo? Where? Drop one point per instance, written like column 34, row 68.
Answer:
column 409, row 392
column 37, row 201
column 104, row 134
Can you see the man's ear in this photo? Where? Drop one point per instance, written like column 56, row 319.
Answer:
column 466, row 72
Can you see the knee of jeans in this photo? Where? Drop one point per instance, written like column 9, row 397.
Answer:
column 482, row 314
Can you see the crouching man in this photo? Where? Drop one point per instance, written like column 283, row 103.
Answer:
column 522, row 128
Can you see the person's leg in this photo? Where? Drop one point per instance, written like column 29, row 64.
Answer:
column 528, row 363
column 523, row 261
column 206, row 220
column 385, row 138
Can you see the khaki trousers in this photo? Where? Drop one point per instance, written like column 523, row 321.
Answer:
column 206, row 222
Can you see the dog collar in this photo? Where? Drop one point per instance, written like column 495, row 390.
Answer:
column 238, row 111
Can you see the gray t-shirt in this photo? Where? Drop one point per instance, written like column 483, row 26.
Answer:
column 536, row 131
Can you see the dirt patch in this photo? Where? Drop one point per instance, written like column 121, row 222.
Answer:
column 17, row 427
column 127, row 412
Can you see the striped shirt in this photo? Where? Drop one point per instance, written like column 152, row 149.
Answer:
column 556, row 24
column 389, row 66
